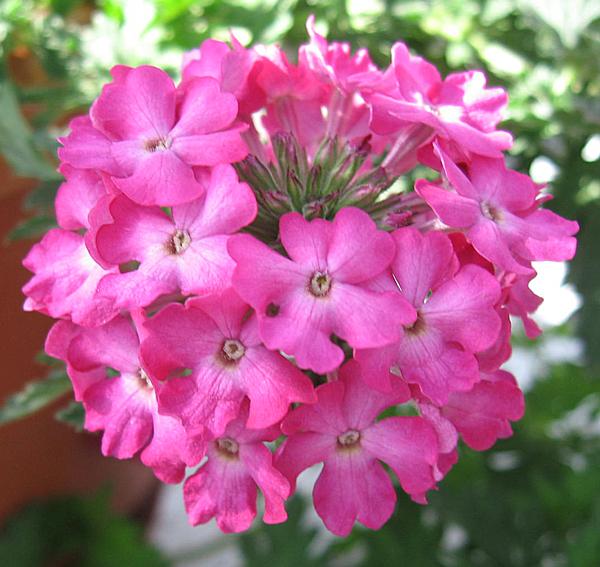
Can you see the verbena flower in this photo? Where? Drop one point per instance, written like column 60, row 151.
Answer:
column 236, row 268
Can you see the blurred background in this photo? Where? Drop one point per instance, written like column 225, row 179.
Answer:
column 532, row 500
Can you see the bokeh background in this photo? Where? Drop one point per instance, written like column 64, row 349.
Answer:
column 531, row 501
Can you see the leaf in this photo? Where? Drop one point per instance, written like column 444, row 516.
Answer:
column 16, row 141
column 73, row 415
column 31, row 228
column 289, row 542
column 75, row 532
column 35, row 396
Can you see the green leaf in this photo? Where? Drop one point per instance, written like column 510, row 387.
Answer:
column 75, row 532
column 31, row 228
column 16, row 141
column 73, row 415
column 35, row 396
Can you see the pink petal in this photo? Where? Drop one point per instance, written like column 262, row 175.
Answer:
column 114, row 345
column 140, row 104
column 226, row 146
column 483, row 414
column 409, row 446
column 167, row 451
column 272, row 384
column 77, row 196
column 161, row 178
column 301, row 451
column 353, row 487
column 87, row 148
column 136, row 233
column 422, row 263
column 122, row 410
column 362, row 405
column 221, row 488
column 367, row 319
column 204, row 108
column 453, row 209
column 227, row 206
column 275, row 488
column 351, row 259
column 438, row 369
column 463, row 308
column 65, row 280
column 325, row 416
column 306, row 242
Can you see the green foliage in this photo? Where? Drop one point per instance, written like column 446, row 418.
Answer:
column 290, row 542
column 73, row 415
column 74, row 532
column 16, row 140
column 35, row 396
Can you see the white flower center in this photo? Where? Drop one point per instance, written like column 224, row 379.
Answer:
column 320, row 284
column 179, row 242
column 349, row 439
column 233, row 350
column 228, row 446
column 157, row 145
column 144, row 380
column 490, row 212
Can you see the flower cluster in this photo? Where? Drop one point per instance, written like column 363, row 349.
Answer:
column 244, row 286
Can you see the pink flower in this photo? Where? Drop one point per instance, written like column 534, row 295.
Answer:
column 497, row 208
column 481, row 415
column 294, row 97
column 456, row 318
column 460, row 108
column 65, row 280
column 122, row 405
column 150, row 136
column 186, row 253
column 521, row 301
column 235, row 69
column 215, row 338
column 321, row 289
column 225, row 486
column 340, row 430
column 77, row 196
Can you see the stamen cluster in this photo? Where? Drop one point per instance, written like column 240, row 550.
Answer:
column 236, row 268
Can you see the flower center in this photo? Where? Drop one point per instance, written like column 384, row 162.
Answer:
column 157, row 144
column 233, row 350
column 143, row 380
column 228, row 447
column 417, row 328
column 348, row 440
column 320, row 284
column 179, row 242
column 491, row 212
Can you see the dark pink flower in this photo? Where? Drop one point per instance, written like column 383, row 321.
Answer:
column 497, row 209
column 120, row 399
column 294, row 97
column 216, row 339
column 65, row 280
column 340, row 431
column 460, row 108
column 322, row 289
column 481, row 415
column 456, row 318
column 234, row 67
column 149, row 135
column 77, row 196
column 185, row 252
column 225, row 486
